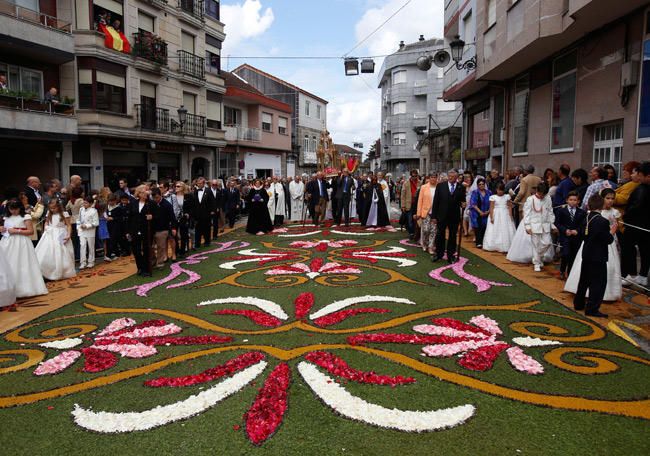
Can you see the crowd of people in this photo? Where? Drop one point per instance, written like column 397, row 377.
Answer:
column 50, row 232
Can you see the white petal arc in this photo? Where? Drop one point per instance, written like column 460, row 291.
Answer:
column 338, row 305
column 351, row 233
column 263, row 304
column 534, row 342
column 344, row 403
column 108, row 422
column 62, row 344
column 252, row 253
column 311, row 233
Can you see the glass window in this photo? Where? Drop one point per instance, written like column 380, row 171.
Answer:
column 212, row 9
column 305, row 144
column 31, row 81
column 145, row 22
column 399, row 139
column 212, row 62
column 101, row 90
column 307, row 107
column 189, row 101
column 318, row 109
column 499, row 118
column 491, row 12
column 399, row 107
column 282, row 125
column 399, row 77
column 520, row 115
column 564, row 102
column 480, row 129
column 267, row 122
column 314, row 144
column 231, row 116
column 644, row 89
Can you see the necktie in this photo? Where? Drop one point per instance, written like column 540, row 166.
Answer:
column 572, row 212
column 453, row 188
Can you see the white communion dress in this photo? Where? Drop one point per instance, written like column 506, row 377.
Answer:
column 55, row 255
column 614, row 290
column 18, row 252
column 499, row 235
column 521, row 249
column 7, row 285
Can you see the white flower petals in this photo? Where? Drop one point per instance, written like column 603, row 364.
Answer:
column 108, row 422
column 351, row 233
column 267, row 306
column 338, row 305
column 311, row 233
column 62, row 344
column 534, row 342
column 339, row 399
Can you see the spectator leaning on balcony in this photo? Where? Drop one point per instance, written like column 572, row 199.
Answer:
column 51, row 96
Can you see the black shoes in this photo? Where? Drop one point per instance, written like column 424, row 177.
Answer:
column 596, row 314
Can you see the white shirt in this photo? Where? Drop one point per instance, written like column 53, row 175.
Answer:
column 140, row 206
column 200, row 194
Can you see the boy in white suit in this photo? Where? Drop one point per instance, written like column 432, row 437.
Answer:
column 86, row 226
column 538, row 221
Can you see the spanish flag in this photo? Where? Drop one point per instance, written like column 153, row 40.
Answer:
column 115, row 39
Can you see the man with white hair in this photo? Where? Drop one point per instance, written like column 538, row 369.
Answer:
column 297, row 193
column 384, row 186
column 33, row 190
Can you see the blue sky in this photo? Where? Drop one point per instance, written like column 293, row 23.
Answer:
column 330, row 28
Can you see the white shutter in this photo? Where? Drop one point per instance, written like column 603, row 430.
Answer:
column 145, row 22
column 111, row 5
column 147, row 89
column 187, row 42
column 85, row 76
column 188, row 102
column 111, row 79
column 282, row 122
column 267, row 118
column 214, row 110
column 492, row 12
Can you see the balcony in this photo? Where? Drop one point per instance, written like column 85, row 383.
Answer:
column 420, row 115
column 154, row 119
column 191, row 65
column 35, row 17
column 194, row 126
column 420, row 87
column 193, row 8
column 35, row 116
column 150, row 47
column 451, row 16
column 240, row 133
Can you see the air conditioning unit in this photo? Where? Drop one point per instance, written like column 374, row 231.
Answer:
column 629, row 73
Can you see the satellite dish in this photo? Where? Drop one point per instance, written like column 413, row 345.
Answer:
column 424, row 62
column 441, row 59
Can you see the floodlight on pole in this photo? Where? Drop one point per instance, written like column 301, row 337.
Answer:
column 351, row 66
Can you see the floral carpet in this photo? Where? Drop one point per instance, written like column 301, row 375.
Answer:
column 321, row 340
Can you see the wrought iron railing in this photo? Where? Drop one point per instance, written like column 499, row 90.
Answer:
column 192, row 7
column 194, row 125
column 152, row 118
column 150, row 47
column 20, row 12
column 191, row 64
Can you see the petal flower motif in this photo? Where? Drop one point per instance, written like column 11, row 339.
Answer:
column 459, row 268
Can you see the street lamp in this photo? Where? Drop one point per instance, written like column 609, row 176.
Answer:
column 457, row 50
column 182, row 115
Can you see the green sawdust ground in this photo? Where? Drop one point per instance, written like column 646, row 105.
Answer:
column 499, row 426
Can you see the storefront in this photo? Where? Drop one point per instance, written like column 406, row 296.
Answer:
column 262, row 165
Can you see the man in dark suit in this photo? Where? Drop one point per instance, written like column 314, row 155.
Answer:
column 342, row 189
column 569, row 220
column 32, row 191
column 205, row 207
column 593, row 275
column 232, row 202
column 142, row 215
column 216, row 188
column 318, row 197
column 445, row 214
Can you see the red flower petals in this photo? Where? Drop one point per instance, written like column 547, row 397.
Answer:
column 260, row 318
column 166, row 340
column 321, row 247
column 130, row 329
column 98, row 360
column 337, row 317
column 458, row 325
column 482, row 359
column 266, row 413
column 304, row 303
column 340, row 368
column 316, row 264
column 228, row 368
column 383, row 338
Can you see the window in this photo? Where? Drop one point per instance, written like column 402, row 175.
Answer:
column 305, row 144
column 520, row 116
column 212, row 9
column 307, row 107
column 399, row 139
column 480, row 129
column 399, row 107
column 212, row 54
column 491, row 12
column 145, row 22
column 318, row 111
column 102, row 85
column 267, row 122
column 608, row 146
column 314, row 144
column 189, row 102
column 499, row 118
column 187, row 42
column 282, row 125
column 564, row 102
column 214, row 104
column 231, row 116
column 469, row 29
column 104, row 9
column 643, row 132
column 443, row 105
column 147, row 105
column 21, row 79
column 399, row 77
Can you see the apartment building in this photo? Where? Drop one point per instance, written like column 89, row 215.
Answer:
column 558, row 81
column 258, row 131
column 309, row 115
column 412, row 105
column 146, row 100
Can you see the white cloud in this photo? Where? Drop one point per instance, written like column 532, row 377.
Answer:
column 245, row 20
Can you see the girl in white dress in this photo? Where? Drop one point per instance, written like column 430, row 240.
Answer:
column 614, row 290
column 500, row 228
column 7, row 287
column 54, row 251
column 18, row 250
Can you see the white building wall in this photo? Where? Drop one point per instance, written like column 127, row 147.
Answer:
column 311, row 121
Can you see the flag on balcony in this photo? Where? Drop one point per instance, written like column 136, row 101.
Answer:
column 114, row 39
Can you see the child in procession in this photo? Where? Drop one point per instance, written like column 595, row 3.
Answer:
column 538, row 222
column 500, row 229
column 54, row 250
column 570, row 219
column 86, row 226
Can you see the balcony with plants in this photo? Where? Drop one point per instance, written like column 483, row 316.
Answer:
column 150, row 47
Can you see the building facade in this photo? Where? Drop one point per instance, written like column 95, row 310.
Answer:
column 412, row 104
column 147, row 99
column 559, row 81
column 258, row 131
column 440, row 150
column 309, row 115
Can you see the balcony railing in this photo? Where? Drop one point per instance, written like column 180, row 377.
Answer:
column 240, row 133
column 151, row 118
column 11, row 9
column 194, row 125
column 158, row 3
column 150, row 47
column 192, row 7
column 21, row 103
column 191, row 64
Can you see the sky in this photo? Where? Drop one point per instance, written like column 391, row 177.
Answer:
column 282, row 28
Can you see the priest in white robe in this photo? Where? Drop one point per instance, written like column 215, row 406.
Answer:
column 280, row 202
column 297, row 194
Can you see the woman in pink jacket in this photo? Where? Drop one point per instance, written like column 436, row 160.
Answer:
column 425, row 200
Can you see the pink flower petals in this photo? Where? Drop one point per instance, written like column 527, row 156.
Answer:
column 57, row 364
column 522, row 362
column 459, row 268
column 486, row 324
